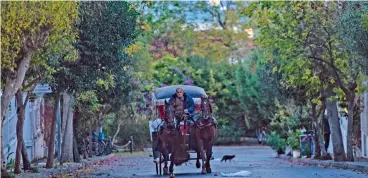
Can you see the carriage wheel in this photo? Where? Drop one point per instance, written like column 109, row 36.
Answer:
column 160, row 164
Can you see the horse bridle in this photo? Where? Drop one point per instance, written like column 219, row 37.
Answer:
column 205, row 107
column 168, row 115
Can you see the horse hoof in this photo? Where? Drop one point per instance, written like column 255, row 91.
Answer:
column 166, row 172
column 209, row 170
column 204, row 171
column 198, row 165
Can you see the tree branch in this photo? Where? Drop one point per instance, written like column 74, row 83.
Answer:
column 217, row 16
column 334, row 69
column 32, row 83
column 227, row 7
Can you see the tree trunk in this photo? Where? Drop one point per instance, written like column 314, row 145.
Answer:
column 12, row 85
column 357, row 124
column 67, row 130
column 91, row 129
column 19, row 130
column 64, row 114
column 26, row 163
column 318, row 146
column 333, row 120
column 317, row 131
column 116, row 133
column 76, row 156
column 51, row 144
column 21, row 150
column 319, row 137
column 349, row 139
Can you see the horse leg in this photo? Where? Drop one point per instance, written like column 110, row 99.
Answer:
column 209, row 156
column 166, row 155
column 203, row 156
column 196, row 138
column 198, row 164
column 171, row 169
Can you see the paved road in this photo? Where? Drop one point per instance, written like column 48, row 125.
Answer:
column 256, row 159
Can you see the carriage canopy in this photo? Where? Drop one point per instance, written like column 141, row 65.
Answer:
column 165, row 93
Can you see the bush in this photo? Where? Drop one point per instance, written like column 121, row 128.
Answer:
column 293, row 140
column 231, row 130
column 307, row 151
column 276, row 143
column 228, row 134
column 139, row 131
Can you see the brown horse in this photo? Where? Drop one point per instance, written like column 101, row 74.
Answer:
column 170, row 141
column 205, row 132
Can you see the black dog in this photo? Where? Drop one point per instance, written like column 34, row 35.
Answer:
column 228, row 157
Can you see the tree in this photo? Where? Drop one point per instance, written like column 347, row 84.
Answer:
column 104, row 70
column 180, row 46
column 257, row 87
column 27, row 27
column 33, row 76
column 299, row 46
column 103, row 56
column 60, row 55
column 215, row 31
column 353, row 30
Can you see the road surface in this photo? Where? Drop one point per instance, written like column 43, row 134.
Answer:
column 256, row 159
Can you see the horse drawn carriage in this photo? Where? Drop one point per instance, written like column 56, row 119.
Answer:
column 174, row 139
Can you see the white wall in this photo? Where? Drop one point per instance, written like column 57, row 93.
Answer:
column 9, row 132
column 32, row 135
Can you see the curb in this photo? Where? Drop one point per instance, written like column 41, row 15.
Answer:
column 64, row 169
column 328, row 163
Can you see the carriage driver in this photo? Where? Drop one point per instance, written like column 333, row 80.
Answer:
column 183, row 103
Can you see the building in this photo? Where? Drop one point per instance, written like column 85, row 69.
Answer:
column 33, row 131
column 364, row 124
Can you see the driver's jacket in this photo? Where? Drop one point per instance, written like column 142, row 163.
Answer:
column 188, row 102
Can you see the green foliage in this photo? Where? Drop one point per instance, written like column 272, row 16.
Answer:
column 103, row 75
column 228, row 134
column 138, row 129
column 218, row 32
column 276, row 142
column 289, row 117
column 293, row 140
column 231, row 130
column 140, row 51
column 307, row 151
column 353, row 30
column 215, row 78
column 10, row 164
column 168, row 71
column 105, row 30
column 88, row 102
column 257, row 86
column 24, row 24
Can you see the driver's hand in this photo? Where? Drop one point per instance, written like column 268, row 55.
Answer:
column 186, row 111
